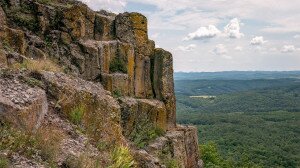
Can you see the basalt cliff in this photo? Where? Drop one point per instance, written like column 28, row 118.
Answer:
column 80, row 88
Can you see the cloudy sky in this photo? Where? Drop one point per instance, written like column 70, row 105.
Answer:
column 221, row 35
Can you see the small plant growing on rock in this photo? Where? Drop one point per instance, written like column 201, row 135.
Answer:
column 122, row 158
column 117, row 94
column 4, row 162
column 117, row 65
column 77, row 113
column 145, row 132
column 38, row 65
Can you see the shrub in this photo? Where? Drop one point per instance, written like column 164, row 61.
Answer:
column 212, row 158
column 118, row 65
column 77, row 113
column 144, row 132
column 122, row 158
column 117, row 94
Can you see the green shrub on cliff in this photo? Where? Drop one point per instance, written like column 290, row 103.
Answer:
column 122, row 158
column 77, row 113
column 145, row 132
column 118, row 65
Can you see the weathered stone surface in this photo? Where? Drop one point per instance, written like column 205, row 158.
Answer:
column 88, row 59
column 116, row 83
column 136, row 111
column 22, row 106
column 145, row 160
column 2, row 19
column 104, row 28
column 100, row 112
column 132, row 28
column 162, row 69
column 12, row 58
column 15, row 39
column 79, row 20
column 180, row 144
column 113, row 50
column 191, row 145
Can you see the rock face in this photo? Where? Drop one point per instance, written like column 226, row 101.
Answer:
column 22, row 105
column 115, row 79
column 91, row 102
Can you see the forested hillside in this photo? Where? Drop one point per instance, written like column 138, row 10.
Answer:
column 252, row 123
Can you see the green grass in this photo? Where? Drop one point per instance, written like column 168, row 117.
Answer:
column 122, row 158
column 77, row 113
column 145, row 132
column 4, row 162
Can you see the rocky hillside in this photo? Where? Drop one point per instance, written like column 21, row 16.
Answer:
column 80, row 88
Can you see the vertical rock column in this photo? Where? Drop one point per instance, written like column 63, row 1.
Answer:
column 163, row 83
column 132, row 28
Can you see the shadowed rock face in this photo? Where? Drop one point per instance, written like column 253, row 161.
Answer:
column 121, row 79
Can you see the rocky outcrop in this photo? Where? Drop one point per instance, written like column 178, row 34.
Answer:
column 136, row 111
column 21, row 105
column 115, row 82
column 97, row 111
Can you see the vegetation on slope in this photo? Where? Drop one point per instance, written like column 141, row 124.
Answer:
column 248, row 124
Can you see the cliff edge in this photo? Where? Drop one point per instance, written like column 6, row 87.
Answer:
column 80, row 88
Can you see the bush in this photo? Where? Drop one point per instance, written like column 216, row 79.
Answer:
column 144, row 132
column 118, row 65
column 122, row 158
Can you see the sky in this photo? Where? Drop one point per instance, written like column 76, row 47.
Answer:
column 220, row 35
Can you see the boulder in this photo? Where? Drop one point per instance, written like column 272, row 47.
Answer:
column 20, row 105
column 163, row 82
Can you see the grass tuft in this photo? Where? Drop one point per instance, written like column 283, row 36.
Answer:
column 122, row 158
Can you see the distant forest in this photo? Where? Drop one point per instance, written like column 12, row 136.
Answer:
column 244, row 119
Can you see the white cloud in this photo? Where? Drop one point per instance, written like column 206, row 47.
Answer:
column 258, row 40
column 115, row 6
column 288, row 49
column 203, row 33
column 232, row 30
column 238, row 48
column 297, row 36
column 190, row 47
column 154, row 36
column 221, row 50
